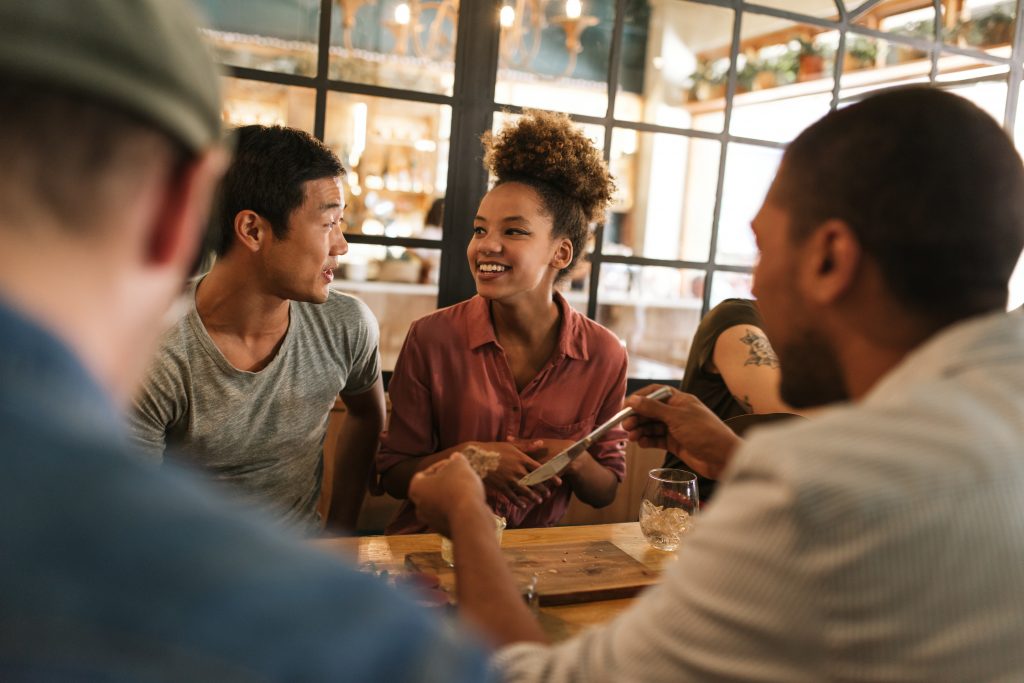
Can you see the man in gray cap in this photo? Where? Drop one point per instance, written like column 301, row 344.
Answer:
column 113, row 569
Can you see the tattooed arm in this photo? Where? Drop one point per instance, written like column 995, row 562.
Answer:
column 749, row 367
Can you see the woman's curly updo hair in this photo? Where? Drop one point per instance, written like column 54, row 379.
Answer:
column 547, row 153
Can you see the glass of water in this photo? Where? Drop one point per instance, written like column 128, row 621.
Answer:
column 669, row 503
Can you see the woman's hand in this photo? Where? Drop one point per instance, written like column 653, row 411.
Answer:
column 543, row 450
column 502, row 484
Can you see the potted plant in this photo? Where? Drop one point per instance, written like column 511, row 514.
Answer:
column 746, row 72
column 993, row 28
column 708, row 80
column 785, row 66
column 811, row 59
column 907, row 53
column 861, row 53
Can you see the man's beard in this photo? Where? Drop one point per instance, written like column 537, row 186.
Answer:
column 811, row 375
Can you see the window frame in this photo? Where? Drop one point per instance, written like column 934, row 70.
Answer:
column 473, row 106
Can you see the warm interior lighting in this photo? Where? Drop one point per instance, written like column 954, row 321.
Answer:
column 402, row 14
column 507, row 16
column 573, row 9
column 359, row 111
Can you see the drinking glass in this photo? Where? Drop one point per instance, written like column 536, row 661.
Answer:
column 669, row 502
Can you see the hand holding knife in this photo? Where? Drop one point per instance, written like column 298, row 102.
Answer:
column 558, row 463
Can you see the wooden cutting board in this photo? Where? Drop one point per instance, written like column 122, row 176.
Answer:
column 580, row 571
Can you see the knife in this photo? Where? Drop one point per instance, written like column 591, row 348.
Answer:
column 561, row 461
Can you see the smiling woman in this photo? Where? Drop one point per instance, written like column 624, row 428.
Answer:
column 494, row 371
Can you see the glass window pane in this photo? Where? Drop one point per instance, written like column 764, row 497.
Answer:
column 871, row 63
column 1016, row 299
column 396, row 284
column 395, row 43
column 592, row 130
column 980, row 82
column 397, row 155
column 1018, row 129
column 784, row 79
column 729, row 285
column 555, row 55
column 249, row 102
column 985, row 24
column 576, row 289
column 675, row 57
column 665, row 203
column 749, row 171
column 263, row 34
column 654, row 311
column 820, row 9
column 901, row 18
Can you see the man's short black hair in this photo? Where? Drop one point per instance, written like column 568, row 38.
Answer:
column 270, row 166
column 932, row 187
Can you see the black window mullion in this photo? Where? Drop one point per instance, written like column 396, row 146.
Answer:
column 476, row 71
column 614, row 66
column 323, row 56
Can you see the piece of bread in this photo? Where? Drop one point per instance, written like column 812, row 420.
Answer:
column 482, row 461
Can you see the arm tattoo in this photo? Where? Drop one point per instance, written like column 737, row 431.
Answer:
column 761, row 352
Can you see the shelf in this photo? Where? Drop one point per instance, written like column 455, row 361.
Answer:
column 860, row 78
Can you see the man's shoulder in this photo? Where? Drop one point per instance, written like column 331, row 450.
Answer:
column 893, row 455
column 118, row 514
column 179, row 341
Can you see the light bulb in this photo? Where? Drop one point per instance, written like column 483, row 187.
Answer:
column 573, row 9
column 402, row 14
column 508, row 16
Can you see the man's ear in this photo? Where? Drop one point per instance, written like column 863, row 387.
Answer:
column 563, row 254
column 250, row 229
column 182, row 217
column 831, row 260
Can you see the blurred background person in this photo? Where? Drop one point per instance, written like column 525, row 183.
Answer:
column 733, row 371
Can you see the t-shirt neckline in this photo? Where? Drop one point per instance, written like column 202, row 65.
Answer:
column 214, row 351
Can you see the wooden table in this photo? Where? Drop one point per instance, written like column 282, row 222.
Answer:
column 559, row 622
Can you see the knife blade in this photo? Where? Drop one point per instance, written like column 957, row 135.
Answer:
column 558, row 463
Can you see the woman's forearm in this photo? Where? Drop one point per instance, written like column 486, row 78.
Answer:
column 396, row 480
column 592, row 482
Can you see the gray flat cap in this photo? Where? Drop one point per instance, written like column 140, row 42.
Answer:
column 145, row 56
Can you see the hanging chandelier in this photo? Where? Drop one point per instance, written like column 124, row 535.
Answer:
column 427, row 28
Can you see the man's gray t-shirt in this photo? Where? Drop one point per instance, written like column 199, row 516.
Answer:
column 262, row 432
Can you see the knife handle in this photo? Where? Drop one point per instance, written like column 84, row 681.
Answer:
column 659, row 395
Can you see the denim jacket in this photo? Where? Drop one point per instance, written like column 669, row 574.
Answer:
column 113, row 569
